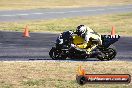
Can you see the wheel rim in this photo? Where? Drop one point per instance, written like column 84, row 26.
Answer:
column 54, row 54
column 108, row 54
column 111, row 54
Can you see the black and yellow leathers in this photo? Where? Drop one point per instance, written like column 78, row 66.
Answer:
column 81, row 43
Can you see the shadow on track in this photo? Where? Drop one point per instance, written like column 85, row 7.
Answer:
column 44, row 58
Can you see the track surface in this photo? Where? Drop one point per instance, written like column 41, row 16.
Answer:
column 15, row 47
column 37, row 14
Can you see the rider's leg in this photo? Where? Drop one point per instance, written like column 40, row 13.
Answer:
column 89, row 50
column 96, row 40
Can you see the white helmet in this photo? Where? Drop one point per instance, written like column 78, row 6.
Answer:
column 81, row 30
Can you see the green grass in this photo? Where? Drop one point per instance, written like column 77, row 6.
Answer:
column 58, row 74
column 34, row 4
column 102, row 24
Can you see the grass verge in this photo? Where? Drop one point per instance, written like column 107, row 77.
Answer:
column 101, row 24
column 34, row 4
column 58, row 74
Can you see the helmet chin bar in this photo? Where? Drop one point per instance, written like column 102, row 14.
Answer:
column 81, row 34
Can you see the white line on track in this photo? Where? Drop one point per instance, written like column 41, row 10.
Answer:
column 23, row 14
column 62, row 12
column 37, row 13
column 7, row 15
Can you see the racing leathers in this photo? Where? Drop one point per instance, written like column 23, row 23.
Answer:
column 88, row 41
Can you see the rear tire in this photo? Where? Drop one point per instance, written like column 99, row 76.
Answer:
column 107, row 54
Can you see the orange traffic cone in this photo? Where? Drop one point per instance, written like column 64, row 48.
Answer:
column 26, row 32
column 113, row 31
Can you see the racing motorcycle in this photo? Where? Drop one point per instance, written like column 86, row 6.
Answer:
column 63, row 50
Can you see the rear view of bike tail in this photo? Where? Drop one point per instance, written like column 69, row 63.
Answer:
column 108, row 51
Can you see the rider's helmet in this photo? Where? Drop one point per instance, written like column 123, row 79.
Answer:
column 81, row 30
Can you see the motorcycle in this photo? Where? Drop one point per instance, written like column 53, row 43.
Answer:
column 63, row 50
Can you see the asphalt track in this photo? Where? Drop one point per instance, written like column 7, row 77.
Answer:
column 14, row 47
column 39, row 14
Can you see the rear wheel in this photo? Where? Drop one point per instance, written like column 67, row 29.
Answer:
column 56, row 54
column 107, row 54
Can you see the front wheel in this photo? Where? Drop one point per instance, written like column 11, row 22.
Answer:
column 107, row 54
column 56, row 54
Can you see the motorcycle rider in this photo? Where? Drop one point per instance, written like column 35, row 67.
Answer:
column 90, row 39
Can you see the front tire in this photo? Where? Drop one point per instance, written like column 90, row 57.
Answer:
column 56, row 54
